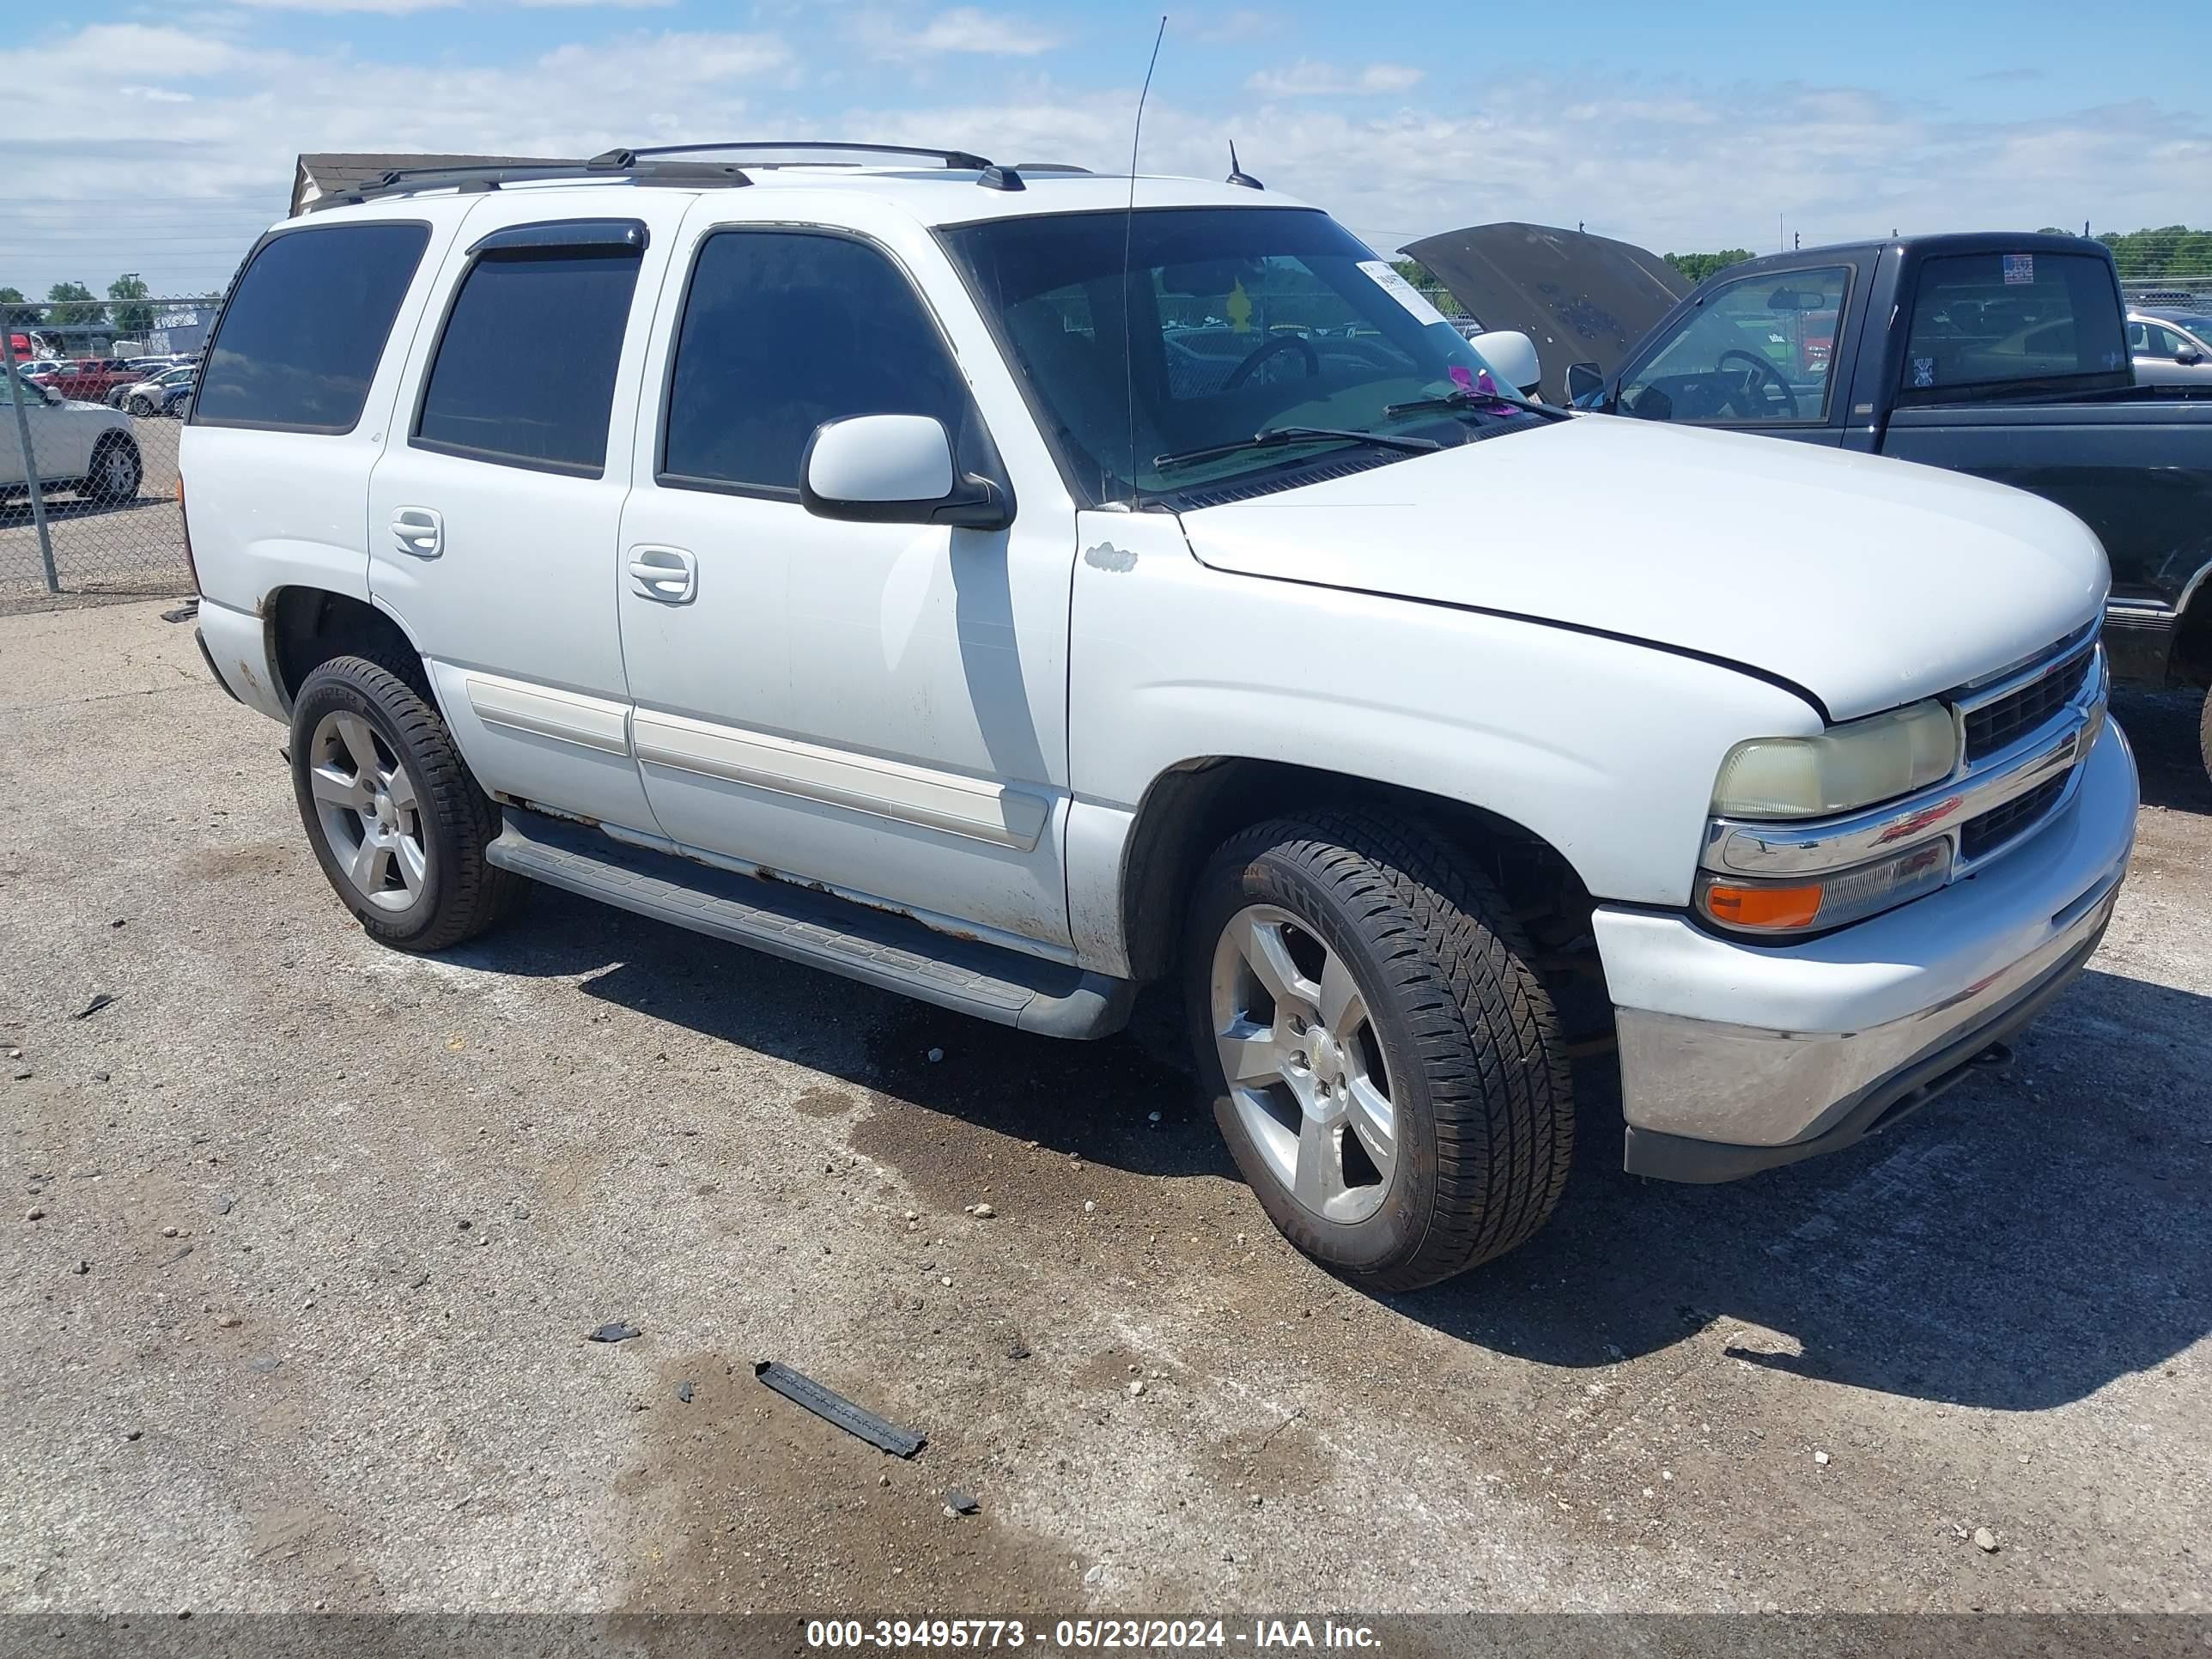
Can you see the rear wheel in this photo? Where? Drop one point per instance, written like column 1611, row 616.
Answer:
column 2205, row 734
column 398, row 824
column 116, row 471
column 141, row 404
column 1384, row 1064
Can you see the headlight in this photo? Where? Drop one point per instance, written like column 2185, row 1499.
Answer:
column 1844, row 767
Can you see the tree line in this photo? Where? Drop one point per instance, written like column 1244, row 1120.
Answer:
column 125, row 311
column 2142, row 255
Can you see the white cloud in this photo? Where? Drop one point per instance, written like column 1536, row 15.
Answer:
column 1306, row 79
column 963, row 29
column 1671, row 164
column 192, row 183
column 386, row 7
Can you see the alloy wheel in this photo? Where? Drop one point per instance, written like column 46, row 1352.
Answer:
column 1304, row 1064
column 369, row 810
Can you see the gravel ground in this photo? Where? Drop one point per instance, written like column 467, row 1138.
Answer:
column 307, row 1236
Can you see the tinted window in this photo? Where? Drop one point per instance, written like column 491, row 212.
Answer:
column 783, row 331
column 300, row 339
column 525, row 372
column 2038, row 321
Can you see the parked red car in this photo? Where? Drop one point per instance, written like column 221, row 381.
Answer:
column 91, row 379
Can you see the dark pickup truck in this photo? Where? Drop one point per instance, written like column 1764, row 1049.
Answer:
column 2000, row 354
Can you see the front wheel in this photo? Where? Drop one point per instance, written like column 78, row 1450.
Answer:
column 397, row 822
column 1385, row 1066
column 116, row 472
column 141, row 405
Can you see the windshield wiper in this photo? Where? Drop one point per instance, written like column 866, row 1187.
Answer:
column 1465, row 399
column 1272, row 436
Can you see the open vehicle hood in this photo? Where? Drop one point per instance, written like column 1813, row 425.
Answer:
column 1581, row 298
column 1863, row 582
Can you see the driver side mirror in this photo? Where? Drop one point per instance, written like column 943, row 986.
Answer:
column 896, row 469
column 2189, row 356
column 1585, row 381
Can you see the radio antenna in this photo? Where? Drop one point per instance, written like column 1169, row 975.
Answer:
column 1128, row 274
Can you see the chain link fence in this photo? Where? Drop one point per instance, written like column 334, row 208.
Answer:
column 89, row 420
column 2186, row 290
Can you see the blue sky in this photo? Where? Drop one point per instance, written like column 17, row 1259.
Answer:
column 1677, row 127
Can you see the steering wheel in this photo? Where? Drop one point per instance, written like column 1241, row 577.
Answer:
column 1260, row 355
column 1767, row 381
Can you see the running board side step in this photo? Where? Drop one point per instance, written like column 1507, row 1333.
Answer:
column 801, row 924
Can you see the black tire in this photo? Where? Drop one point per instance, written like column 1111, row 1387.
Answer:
column 455, row 821
column 2205, row 734
column 108, row 491
column 1480, row 1096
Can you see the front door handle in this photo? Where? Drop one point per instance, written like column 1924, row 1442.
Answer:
column 666, row 573
column 420, row 531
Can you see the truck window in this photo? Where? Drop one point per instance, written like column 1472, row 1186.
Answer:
column 298, row 342
column 523, row 374
column 1758, row 351
column 785, row 330
column 2018, row 322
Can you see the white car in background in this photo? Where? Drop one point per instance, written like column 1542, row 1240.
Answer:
column 80, row 446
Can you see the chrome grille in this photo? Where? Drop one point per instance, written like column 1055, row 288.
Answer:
column 1994, row 725
column 1979, row 837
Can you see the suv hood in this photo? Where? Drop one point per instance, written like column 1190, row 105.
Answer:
column 1864, row 582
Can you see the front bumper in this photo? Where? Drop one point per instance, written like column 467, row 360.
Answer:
column 1736, row 1057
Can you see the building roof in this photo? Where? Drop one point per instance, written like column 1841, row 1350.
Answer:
column 317, row 176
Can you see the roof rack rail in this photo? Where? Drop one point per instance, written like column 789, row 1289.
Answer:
column 404, row 181
column 989, row 174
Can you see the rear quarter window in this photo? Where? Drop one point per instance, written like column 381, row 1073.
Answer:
column 2018, row 322
column 300, row 340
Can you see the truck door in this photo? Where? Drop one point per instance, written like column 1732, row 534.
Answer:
column 877, row 707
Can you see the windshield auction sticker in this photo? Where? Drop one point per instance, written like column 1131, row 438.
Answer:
column 1401, row 290
column 2019, row 269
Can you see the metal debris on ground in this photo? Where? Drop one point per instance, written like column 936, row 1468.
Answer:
column 613, row 1331
column 184, row 612
column 958, row 1502
column 684, row 1392
column 99, row 1002
column 832, row 1407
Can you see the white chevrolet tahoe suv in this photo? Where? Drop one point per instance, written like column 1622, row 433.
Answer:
column 957, row 578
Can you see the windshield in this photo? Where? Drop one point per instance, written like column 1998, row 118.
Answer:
column 1241, row 321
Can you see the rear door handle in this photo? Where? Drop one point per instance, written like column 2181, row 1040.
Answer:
column 420, row 531
column 666, row 573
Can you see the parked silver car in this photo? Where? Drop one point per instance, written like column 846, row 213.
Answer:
column 2171, row 347
column 151, row 395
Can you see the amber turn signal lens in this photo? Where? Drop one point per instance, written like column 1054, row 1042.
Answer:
column 1763, row 907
